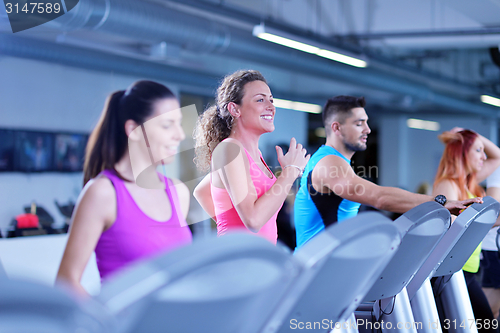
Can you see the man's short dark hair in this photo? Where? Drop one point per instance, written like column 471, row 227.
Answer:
column 341, row 107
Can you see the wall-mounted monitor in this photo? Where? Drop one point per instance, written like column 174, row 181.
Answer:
column 7, row 145
column 69, row 152
column 34, row 151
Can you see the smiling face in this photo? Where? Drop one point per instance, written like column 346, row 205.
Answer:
column 163, row 129
column 256, row 110
column 354, row 130
column 476, row 155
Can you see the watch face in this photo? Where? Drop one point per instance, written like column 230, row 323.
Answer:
column 441, row 199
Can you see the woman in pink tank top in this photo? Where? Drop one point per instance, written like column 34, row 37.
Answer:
column 127, row 211
column 241, row 192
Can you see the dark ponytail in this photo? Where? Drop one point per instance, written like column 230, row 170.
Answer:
column 108, row 141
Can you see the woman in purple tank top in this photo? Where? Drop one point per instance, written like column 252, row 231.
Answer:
column 127, row 211
column 241, row 192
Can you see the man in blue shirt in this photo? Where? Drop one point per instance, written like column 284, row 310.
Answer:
column 330, row 191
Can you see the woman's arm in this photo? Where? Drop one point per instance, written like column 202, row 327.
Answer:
column 95, row 211
column 494, row 192
column 492, row 162
column 232, row 166
column 203, row 195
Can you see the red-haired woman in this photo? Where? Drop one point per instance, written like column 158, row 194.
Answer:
column 468, row 159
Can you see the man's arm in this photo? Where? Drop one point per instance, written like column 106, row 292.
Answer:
column 333, row 173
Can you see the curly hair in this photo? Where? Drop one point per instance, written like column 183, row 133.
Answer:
column 455, row 165
column 215, row 124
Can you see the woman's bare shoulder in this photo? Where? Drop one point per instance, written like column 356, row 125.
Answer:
column 447, row 187
column 99, row 193
column 100, row 186
column 226, row 151
column 228, row 144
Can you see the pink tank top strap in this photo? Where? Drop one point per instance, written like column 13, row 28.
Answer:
column 253, row 163
column 261, row 180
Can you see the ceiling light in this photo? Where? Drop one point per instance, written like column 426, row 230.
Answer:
column 423, row 124
column 342, row 58
column 289, row 43
column 490, row 100
column 295, row 42
column 297, row 106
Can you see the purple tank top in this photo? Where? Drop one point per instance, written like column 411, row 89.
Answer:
column 134, row 235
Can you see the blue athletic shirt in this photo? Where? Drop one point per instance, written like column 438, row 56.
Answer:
column 314, row 211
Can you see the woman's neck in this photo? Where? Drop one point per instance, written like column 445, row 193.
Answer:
column 124, row 168
column 148, row 178
column 249, row 140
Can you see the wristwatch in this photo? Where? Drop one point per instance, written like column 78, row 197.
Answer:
column 440, row 199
